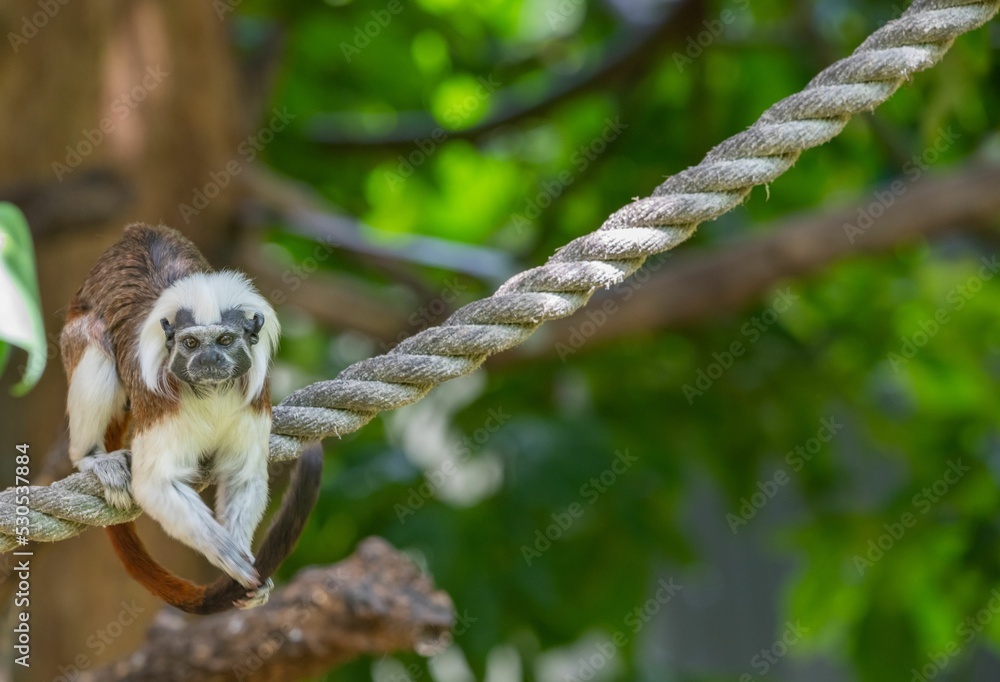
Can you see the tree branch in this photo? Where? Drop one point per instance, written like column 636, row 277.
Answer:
column 729, row 275
column 630, row 53
column 92, row 196
column 301, row 211
column 339, row 302
column 374, row 602
column 695, row 287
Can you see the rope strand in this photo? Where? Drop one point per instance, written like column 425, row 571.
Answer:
column 647, row 226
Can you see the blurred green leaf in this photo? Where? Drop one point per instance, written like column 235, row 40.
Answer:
column 20, row 306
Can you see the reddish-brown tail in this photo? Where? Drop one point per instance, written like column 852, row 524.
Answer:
column 282, row 534
column 178, row 592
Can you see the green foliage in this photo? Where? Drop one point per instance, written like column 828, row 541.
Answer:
column 839, row 352
column 20, row 312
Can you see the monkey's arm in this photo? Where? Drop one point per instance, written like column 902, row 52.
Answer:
column 240, row 468
column 159, row 475
column 278, row 542
column 241, row 497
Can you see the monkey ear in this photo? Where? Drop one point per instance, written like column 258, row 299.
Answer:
column 168, row 329
column 252, row 326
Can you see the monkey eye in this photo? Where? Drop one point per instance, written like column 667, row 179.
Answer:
column 190, row 342
column 225, row 339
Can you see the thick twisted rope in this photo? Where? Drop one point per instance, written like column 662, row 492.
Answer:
column 859, row 83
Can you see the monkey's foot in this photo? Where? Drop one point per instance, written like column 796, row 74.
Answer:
column 256, row 597
column 113, row 471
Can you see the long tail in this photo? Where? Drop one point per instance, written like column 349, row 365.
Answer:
column 282, row 534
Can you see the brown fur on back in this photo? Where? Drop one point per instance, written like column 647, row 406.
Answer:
column 117, row 296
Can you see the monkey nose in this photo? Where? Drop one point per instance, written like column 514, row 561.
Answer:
column 211, row 360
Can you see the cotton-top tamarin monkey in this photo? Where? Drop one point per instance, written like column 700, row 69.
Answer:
column 156, row 338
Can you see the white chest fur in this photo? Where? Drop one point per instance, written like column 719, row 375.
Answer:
column 217, row 425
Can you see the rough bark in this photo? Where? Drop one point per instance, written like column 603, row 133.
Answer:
column 374, row 602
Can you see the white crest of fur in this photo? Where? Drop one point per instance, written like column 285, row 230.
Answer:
column 208, row 295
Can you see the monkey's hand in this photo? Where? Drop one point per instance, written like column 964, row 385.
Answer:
column 114, row 472
column 224, row 552
column 256, row 597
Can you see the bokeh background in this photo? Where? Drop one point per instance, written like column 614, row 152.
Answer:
column 772, row 455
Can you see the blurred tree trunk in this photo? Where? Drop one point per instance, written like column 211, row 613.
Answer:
column 152, row 85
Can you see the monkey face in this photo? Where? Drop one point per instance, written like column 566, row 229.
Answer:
column 210, row 354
